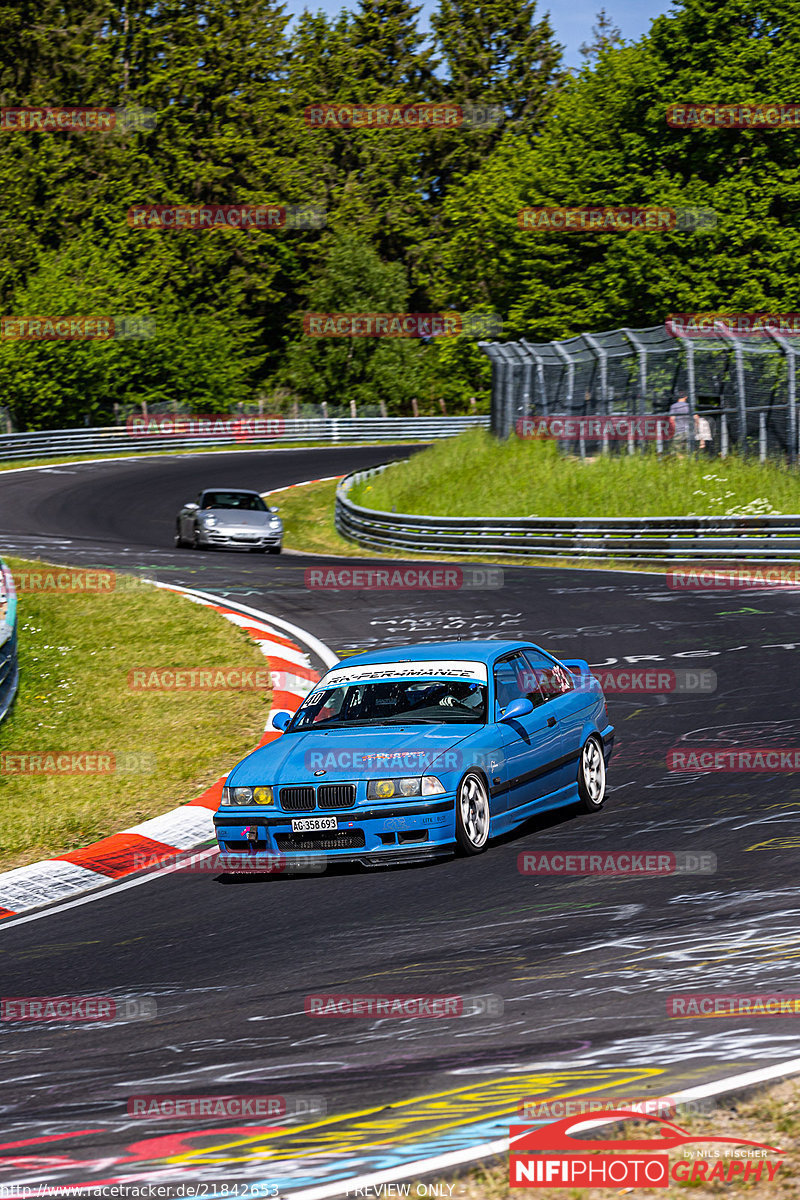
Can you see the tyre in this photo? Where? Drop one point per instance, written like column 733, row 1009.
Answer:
column 472, row 814
column 592, row 775
column 197, row 544
column 179, row 543
column 274, row 549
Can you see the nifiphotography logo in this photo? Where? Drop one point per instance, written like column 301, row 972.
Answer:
column 644, row 1161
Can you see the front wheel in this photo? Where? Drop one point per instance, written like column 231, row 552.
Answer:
column 592, row 775
column 472, row 814
column 178, row 538
column 197, row 544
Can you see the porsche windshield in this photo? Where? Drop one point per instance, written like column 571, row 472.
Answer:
column 398, row 702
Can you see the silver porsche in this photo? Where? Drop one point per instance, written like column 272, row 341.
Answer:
column 229, row 517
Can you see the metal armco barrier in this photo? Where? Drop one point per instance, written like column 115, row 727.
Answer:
column 680, row 538
column 9, row 666
column 333, row 430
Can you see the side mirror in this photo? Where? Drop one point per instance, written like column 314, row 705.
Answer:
column 273, row 509
column 517, row 708
column 280, row 720
column 191, row 506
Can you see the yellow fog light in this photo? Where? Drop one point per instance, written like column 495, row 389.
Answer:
column 262, row 795
column 384, row 788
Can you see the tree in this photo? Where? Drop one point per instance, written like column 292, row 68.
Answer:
column 367, row 370
column 606, row 36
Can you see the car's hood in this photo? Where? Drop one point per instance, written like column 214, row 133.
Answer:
column 239, row 516
column 353, row 754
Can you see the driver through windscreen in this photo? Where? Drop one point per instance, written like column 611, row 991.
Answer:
column 403, row 701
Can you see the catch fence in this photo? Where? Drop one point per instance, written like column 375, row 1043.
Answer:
column 744, row 387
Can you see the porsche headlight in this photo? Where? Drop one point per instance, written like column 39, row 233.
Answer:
column 247, row 795
column 389, row 789
column 209, row 520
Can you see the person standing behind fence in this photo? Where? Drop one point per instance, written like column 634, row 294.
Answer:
column 679, row 417
column 702, row 434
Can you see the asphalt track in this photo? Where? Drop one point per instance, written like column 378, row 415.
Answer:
column 583, row 965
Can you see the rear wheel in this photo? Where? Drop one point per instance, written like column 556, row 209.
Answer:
column 592, row 775
column 472, row 814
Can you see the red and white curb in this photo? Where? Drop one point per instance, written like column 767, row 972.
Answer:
column 190, row 825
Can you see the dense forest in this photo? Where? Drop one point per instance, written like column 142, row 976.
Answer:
column 417, row 218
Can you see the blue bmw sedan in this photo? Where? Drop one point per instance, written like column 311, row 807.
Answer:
column 405, row 754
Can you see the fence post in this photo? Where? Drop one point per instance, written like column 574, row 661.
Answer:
column 723, row 436
column 762, row 436
column 602, row 358
column 724, row 332
column 641, row 355
column 791, row 391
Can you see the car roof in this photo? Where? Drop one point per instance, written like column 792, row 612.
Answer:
column 240, row 491
column 478, row 651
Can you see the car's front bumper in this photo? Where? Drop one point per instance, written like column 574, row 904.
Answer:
column 251, row 541
column 369, row 835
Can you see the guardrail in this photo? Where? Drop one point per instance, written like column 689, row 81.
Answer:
column 767, row 538
column 9, row 665
column 118, row 439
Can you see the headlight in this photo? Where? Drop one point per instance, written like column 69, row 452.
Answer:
column 388, row 789
column 209, row 520
column 247, row 795
column 275, row 523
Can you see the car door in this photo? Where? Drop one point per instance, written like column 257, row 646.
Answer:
column 567, row 703
column 531, row 743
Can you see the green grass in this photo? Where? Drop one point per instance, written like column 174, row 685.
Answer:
column 475, row 475
column 75, row 654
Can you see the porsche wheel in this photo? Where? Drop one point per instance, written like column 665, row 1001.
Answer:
column 179, row 543
column 592, row 775
column 472, row 814
column 197, row 544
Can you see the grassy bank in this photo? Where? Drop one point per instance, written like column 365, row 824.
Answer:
column 76, row 651
column 475, row 475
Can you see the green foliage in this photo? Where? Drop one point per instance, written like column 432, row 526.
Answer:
column 430, row 215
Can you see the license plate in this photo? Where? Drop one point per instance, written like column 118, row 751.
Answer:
column 314, row 824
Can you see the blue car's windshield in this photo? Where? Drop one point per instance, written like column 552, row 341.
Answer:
column 399, row 702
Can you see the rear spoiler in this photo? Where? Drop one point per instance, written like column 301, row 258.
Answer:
column 578, row 666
